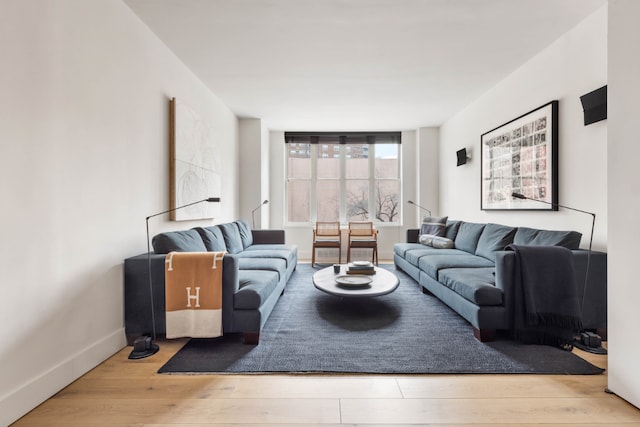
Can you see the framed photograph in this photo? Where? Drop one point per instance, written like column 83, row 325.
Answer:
column 521, row 156
column 194, row 164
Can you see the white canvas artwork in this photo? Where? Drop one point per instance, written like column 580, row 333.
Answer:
column 195, row 164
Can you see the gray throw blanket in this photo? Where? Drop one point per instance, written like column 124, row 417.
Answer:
column 546, row 307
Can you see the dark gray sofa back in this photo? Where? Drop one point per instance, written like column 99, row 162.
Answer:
column 535, row 237
column 179, row 241
column 212, row 238
column 494, row 237
column 468, row 236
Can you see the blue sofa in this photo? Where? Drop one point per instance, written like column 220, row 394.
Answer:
column 475, row 277
column 255, row 271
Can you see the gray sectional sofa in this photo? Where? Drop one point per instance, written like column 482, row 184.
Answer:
column 475, row 277
column 255, row 272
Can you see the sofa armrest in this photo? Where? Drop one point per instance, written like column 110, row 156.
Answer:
column 137, row 297
column 593, row 295
column 412, row 235
column 505, row 276
column 268, row 237
column 593, row 298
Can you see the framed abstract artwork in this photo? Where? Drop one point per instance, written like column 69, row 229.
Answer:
column 521, row 156
column 194, row 164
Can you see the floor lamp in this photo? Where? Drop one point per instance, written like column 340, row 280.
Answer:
column 592, row 349
column 411, row 202
column 144, row 346
column 253, row 212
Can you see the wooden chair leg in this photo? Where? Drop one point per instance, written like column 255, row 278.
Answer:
column 313, row 256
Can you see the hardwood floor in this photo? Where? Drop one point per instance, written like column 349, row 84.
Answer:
column 122, row 392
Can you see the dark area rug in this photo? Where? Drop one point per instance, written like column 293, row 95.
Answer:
column 402, row 332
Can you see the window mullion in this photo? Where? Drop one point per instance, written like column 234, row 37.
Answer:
column 314, row 183
column 343, row 183
column 372, row 182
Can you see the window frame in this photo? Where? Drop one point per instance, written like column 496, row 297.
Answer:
column 345, row 149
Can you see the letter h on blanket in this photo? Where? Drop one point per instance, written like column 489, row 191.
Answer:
column 200, row 315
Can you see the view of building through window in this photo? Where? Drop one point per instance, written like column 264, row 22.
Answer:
column 329, row 181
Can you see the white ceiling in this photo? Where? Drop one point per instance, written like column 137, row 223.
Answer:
column 356, row 64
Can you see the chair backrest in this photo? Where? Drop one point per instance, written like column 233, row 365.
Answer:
column 325, row 229
column 361, row 229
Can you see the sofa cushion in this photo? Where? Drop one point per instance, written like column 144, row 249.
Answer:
column 413, row 256
column 433, row 225
column 534, row 237
column 400, row 249
column 468, row 236
column 212, row 238
column 255, row 287
column 437, row 242
column 179, row 241
column 270, row 264
column 289, row 253
column 232, row 239
column 432, row 264
column 494, row 238
column 451, row 229
column 474, row 284
column 245, row 233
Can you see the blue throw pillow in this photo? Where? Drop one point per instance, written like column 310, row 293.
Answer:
column 232, row 238
column 245, row 233
column 468, row 236
column 494, row 238
column 212, row 238
column 534, row 237
column 178, row 241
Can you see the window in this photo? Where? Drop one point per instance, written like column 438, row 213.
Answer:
column 346, row 177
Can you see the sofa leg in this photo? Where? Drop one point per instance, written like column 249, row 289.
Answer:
column 484, row 335
column 251, row 338
column 425, row 290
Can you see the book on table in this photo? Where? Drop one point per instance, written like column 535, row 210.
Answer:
column 361, row 267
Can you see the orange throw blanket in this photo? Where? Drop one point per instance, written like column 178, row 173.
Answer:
column 193, row 282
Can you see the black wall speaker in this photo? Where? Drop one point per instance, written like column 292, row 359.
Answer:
column 594, row 105
column 462, row 157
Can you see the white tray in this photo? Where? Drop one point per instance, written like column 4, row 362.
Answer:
column 353, row 280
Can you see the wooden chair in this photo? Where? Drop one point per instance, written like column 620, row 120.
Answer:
column 363, row 235
column 326, row 235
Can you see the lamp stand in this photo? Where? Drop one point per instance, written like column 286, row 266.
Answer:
column 584, row 343
column 144, row 346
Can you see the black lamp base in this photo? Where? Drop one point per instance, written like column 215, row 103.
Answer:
column 595, row 350
column 143, row 347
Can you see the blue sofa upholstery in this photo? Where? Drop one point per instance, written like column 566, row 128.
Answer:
column 255, row 271
column 476, row 277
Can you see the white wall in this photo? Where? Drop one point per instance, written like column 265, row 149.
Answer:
column 254, row 169
column 572, row 66
column 84, row 151
column 624, row 199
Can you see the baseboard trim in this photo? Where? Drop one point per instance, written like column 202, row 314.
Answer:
column 22, row 400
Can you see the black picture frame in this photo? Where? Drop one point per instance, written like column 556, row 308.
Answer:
column 521, row 156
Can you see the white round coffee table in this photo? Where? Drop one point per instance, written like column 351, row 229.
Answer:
column 382, row 283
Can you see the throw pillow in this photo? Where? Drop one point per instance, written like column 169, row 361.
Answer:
column 178, row 241
column 232, row 238
column 245, row 233
column 435, row 226
column 437, row 242
column 212, row 238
